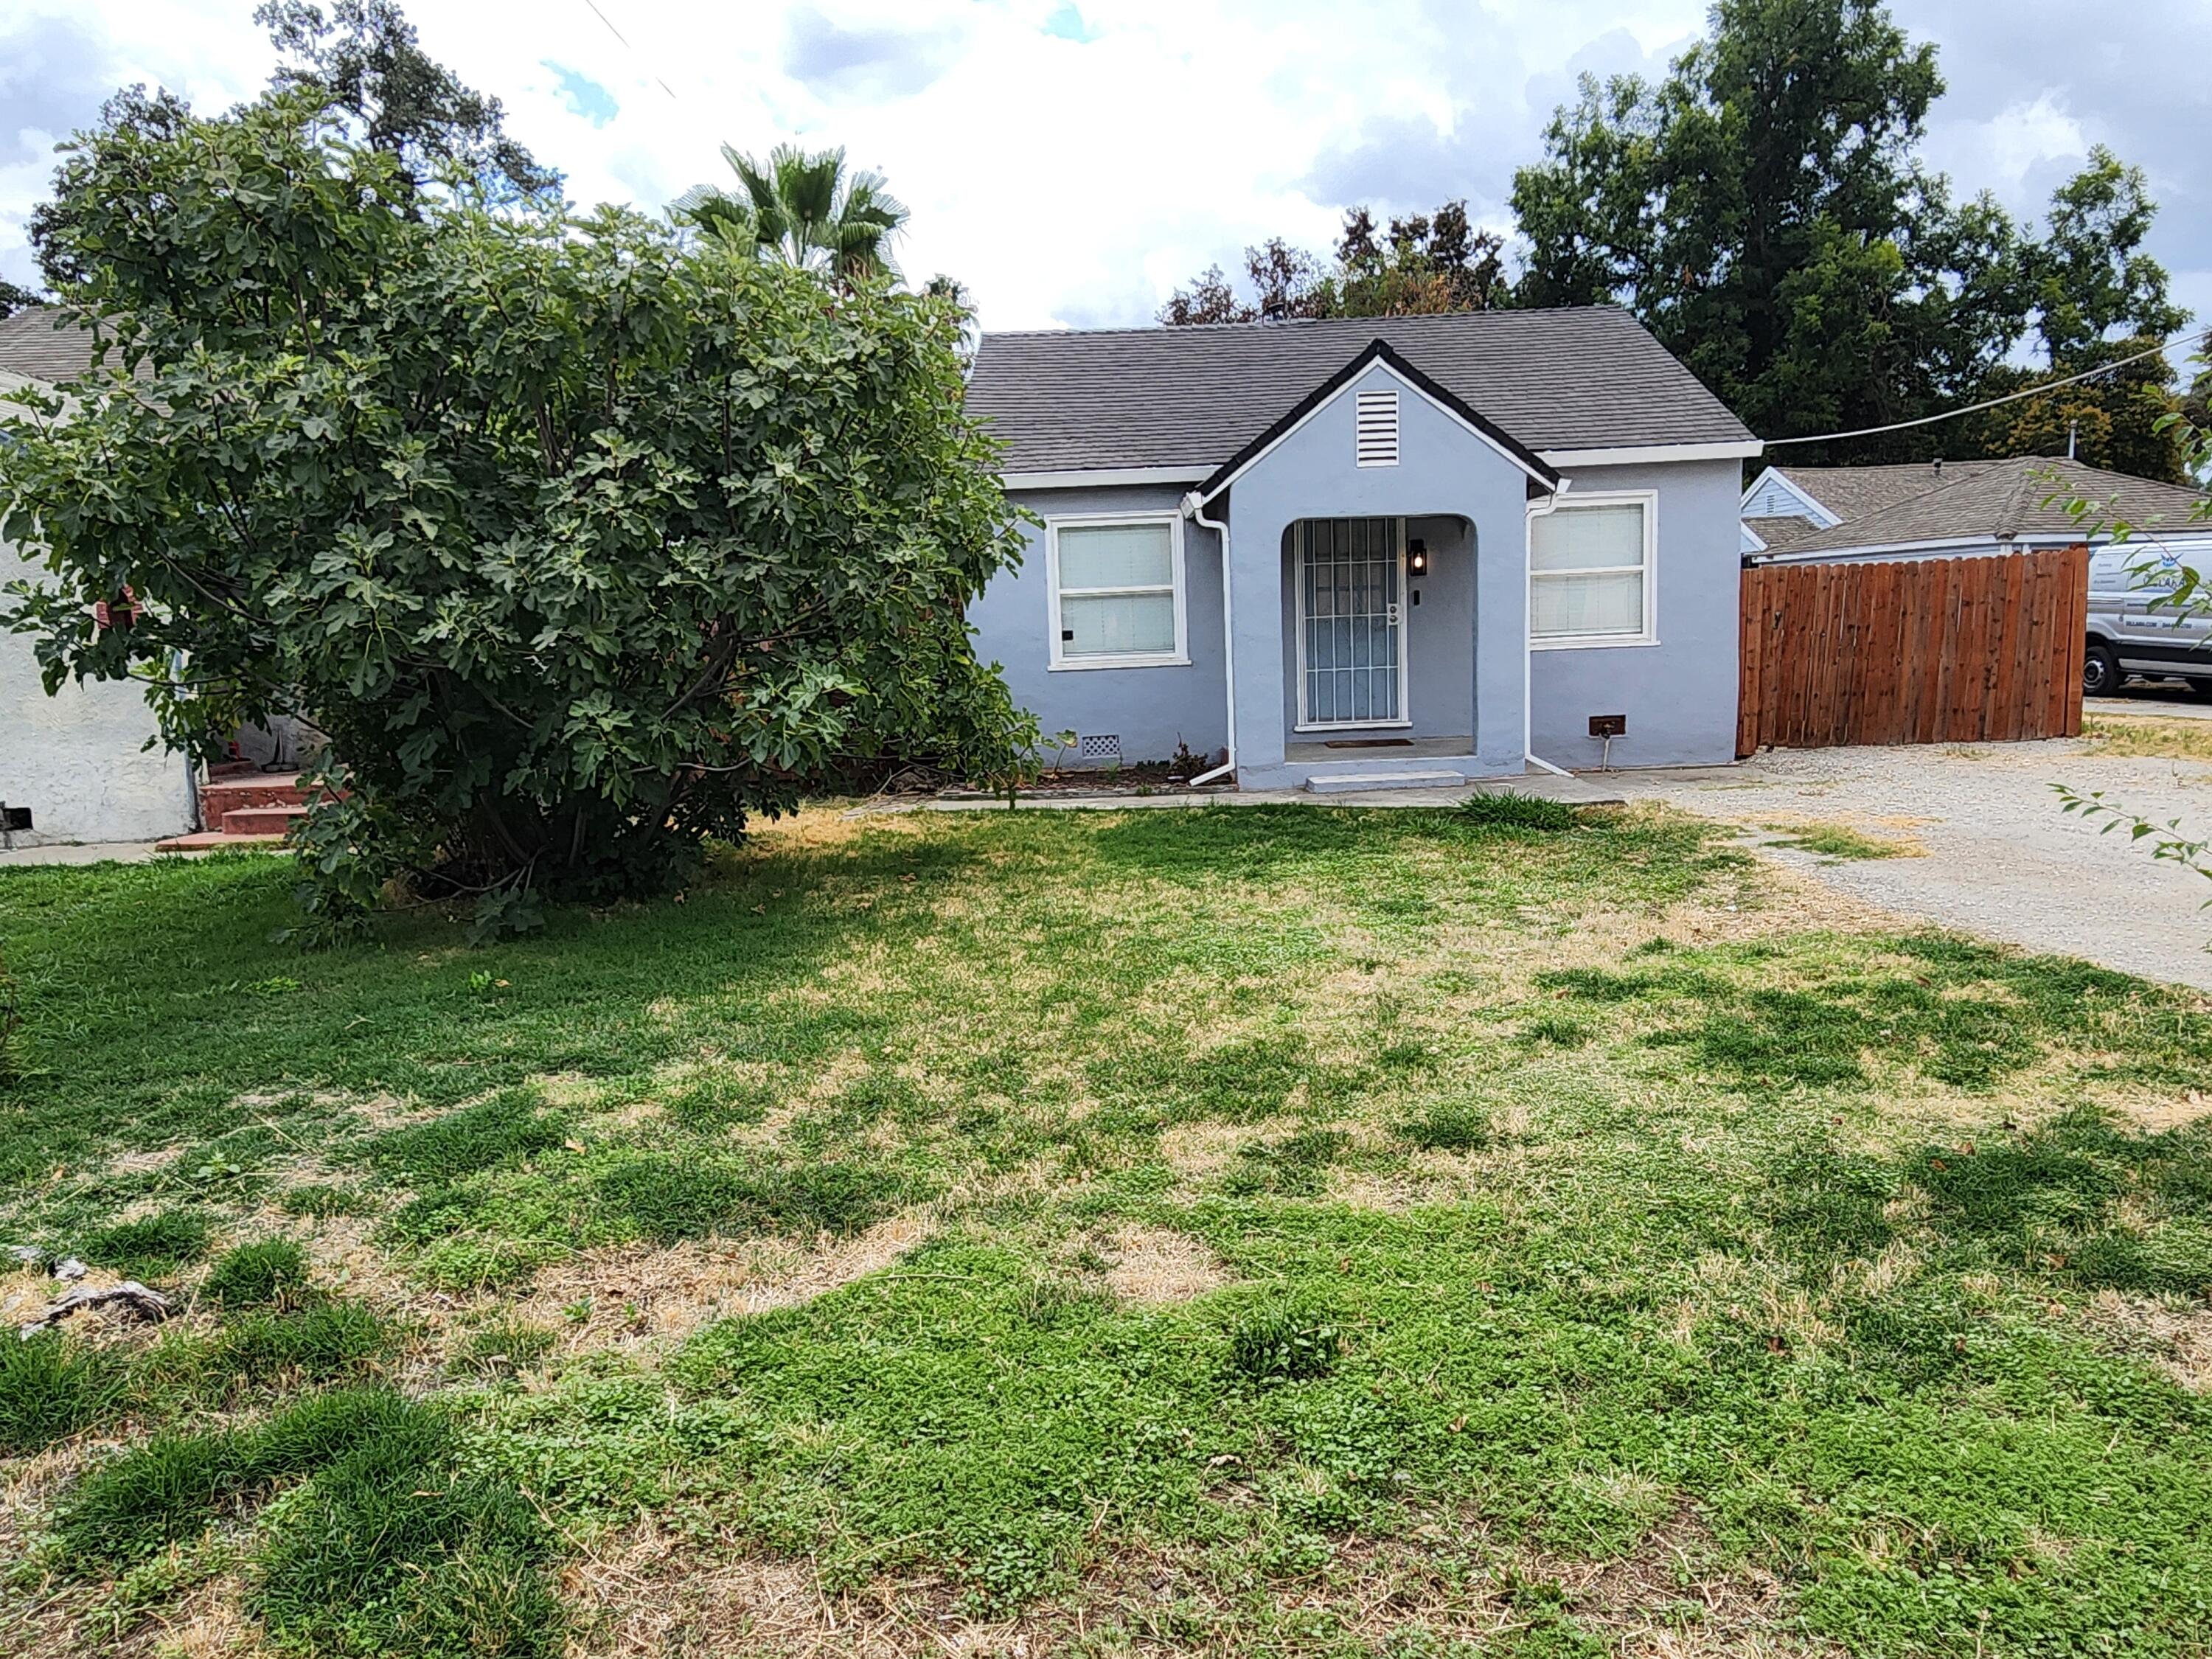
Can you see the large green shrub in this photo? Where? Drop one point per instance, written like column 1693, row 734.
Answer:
column 582, row 538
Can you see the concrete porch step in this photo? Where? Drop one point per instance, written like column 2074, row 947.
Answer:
column 223, row 793
column 262, row 820
column 1346, row 783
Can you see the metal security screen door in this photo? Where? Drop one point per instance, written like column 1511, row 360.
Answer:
column 1352, row 651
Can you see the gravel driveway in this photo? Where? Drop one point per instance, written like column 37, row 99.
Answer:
column 2001, row 859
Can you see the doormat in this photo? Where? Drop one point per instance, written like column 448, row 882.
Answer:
column 1368, row 742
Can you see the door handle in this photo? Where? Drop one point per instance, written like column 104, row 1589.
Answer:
column 1393, row 617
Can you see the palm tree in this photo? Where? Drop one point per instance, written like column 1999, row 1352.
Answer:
column 804, row 209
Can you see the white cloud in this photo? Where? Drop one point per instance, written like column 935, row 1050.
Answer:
column 1073, row 164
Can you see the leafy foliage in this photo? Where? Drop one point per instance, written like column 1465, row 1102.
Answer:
column 803, row 208
column 365, row 60
column 582, row 542
column 1426, row 263
column 1765, row 211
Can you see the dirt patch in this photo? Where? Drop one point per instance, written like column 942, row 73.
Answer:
column 1671, row 1598
column 625, row 1295
column 647, row 1592
column 1156, row 1265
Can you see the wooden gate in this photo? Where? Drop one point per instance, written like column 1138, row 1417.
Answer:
column 1912, row 651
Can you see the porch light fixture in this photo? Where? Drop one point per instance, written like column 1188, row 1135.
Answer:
column 1417, row 558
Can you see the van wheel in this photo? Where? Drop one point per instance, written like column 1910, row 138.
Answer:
column 2101, row 670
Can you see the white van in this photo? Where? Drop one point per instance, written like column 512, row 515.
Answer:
column 2136, row 627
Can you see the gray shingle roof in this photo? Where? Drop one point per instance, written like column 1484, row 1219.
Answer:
column 1852, row 492
column 1583, row 378
column 41, row 342
column 1995, row 500
column 1780, row 533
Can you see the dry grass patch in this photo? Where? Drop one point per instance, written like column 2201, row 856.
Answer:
column 631, row 1295
column 2139, row 737
column 1156, row 1265
column 2176, row 1337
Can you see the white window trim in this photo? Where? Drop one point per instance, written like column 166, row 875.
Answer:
column 1178, row 658
column 1404, row 655
column 1649, row 501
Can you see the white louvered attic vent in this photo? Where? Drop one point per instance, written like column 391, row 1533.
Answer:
column 1376, row 442
column 1101, row 746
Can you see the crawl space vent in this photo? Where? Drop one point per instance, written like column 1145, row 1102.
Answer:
column 1106, row 746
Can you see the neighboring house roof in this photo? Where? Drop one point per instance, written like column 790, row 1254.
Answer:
column 1779, row 535
column 42, row 344
column 2000, row 500
column 1852, row 492
column 1579, row 379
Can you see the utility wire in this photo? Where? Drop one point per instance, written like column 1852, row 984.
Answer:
column 618, row 36
column 2010, row 397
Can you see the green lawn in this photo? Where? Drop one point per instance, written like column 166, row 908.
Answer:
column 1243, row 1231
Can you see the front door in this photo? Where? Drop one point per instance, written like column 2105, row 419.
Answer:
column 1352, row 640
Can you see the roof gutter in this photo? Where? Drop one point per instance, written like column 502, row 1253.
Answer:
column 1193, row 506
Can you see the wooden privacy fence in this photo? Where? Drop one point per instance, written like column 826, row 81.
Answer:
column 1912, row 651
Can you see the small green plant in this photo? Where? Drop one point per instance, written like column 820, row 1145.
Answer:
column 273, row 1270
column 1284, row 1346
column 50, row 1387
column 1295, row 1167
column 318, row 1201
column 1453, row 1127
column 1558, row 1030
column 1507, row 809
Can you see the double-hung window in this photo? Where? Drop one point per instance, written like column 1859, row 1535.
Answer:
column 1117, row 597
column 1589, row 571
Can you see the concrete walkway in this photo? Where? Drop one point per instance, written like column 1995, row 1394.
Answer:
column 1581, row 791
column 102, row 852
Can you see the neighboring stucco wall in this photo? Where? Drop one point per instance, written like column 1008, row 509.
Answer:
column 1438, row 635
column 1679, row 695
column 1442, row 470
column 1151, row 709
column 77, row 758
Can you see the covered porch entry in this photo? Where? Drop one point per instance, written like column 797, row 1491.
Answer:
column 1379, row 648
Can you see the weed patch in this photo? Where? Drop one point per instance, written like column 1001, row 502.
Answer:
column 256, row 1275
column 153, row 1247
column 670, row 1200
column 508, row 1127
column 51, row 1388
column 392, row 1547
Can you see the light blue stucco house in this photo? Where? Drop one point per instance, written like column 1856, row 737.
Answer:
column 1369, row 553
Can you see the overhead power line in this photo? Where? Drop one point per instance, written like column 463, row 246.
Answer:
column 618, row 36
column 1992, row 402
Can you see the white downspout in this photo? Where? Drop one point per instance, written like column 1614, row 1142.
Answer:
column 1528, row 754
column 1192, row 509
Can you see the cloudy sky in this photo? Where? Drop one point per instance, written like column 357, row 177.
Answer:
column 1072, row 163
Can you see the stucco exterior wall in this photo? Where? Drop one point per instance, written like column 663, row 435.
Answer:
column 1151, row 709
column 77, row 759
column 1443, row 470
column 1680, row 694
